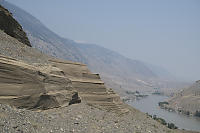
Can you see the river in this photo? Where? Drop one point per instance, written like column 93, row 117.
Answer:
column 150, row 105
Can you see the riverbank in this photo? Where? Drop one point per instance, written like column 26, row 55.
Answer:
column 150, row 105
column 133, row 95
column 165, row 105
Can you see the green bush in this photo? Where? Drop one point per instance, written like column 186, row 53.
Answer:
column 171, row 126
column 197, row 113
column 162, row 121
column 162, row 103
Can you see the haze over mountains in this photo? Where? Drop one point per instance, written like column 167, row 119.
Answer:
column 39, row 93
column 117, row 71
column 161, row 33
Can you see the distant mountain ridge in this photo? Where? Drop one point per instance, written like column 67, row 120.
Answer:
column 116, row 70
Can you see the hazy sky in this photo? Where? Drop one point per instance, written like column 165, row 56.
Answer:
column 160, row 32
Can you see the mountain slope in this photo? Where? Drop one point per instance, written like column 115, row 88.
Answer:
column 41, row 37
column 27, row 81
column 188, row 100
column 30, row 79
column 12, row 27
column 117, row 71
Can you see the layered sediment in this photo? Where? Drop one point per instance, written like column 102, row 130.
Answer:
column 27, row 86
column 90, row 87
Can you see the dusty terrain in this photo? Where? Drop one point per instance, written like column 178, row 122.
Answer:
column 42, row 94
column 101, row 109
column 187, row 100
column 77, row 118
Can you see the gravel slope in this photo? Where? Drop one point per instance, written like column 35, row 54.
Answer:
column 10, row 46
column 78, row 118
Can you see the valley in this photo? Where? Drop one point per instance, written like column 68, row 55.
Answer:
column 150, row 105
column 57, row 85
column 118, row 72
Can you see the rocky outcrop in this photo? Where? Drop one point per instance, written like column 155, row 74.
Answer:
column 11, row 27
column 34, row 87
column 56, row 84
column 59, row 83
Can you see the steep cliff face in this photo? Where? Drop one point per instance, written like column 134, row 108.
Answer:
column 10, row 26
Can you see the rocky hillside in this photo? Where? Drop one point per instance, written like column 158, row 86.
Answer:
column 187, row 101
column 36, row 81
column 49, row 92
column 77, row 118
column 117, row 71
column 52, row 91
column 12, row 27
column 29, row 79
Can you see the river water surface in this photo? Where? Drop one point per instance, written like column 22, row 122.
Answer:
column 150, row 105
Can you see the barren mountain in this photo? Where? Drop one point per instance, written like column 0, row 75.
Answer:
column 35, row 80
column 187, row 100
column 49, row 92
column 117, row 71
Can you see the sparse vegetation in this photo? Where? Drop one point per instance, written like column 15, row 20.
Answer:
column 161, row 104
column 130, row 92
column 171, row 126
column 157, row 93
column 163, row 122
column 197, row 113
